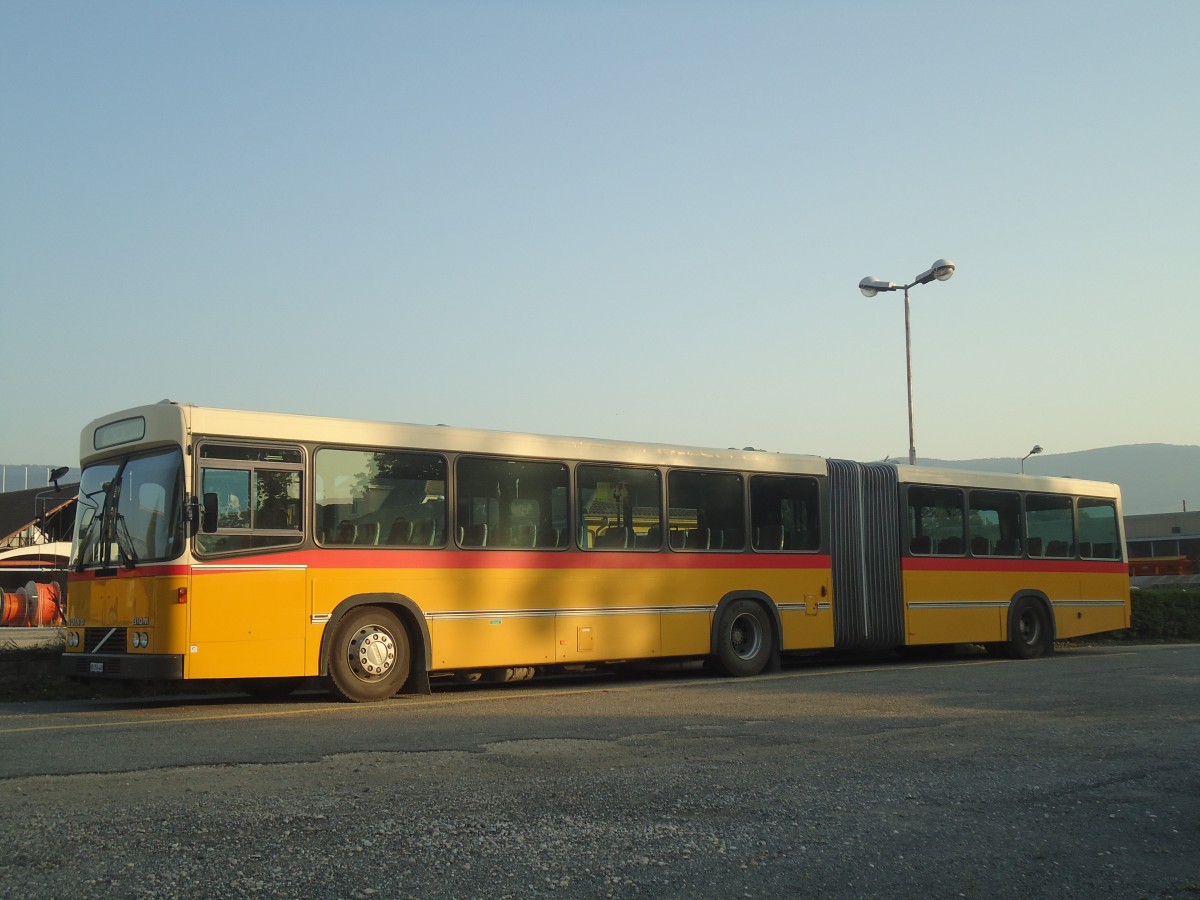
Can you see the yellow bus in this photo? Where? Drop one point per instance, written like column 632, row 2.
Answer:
column 268, row 548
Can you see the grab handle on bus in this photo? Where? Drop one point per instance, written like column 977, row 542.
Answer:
column 209, row 522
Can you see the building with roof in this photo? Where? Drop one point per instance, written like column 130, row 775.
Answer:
column 36, row 527
column 1164, row 548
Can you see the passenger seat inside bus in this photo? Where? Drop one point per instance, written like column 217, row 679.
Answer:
column 769, row 537
column 1008, row 547
column 424, row 533
column 400, row 533
column 367, row 533
column 951, row 546
column 617, row 536
column 652, row 539
column 473, row 535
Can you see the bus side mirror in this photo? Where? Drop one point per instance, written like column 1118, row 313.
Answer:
column 57, row 474
column 209, row 523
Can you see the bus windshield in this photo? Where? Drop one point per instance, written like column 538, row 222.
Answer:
column 130, row 511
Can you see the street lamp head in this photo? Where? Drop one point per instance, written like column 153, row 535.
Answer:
column 1037, row 448
column 941, row 270
column 870, row 286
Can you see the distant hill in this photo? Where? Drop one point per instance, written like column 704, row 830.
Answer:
column 1154, row 478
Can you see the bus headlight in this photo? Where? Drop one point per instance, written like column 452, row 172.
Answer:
column 72, row 638
column 141, row 639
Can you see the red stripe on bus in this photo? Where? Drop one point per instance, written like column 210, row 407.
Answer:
column 962, row 564
column 155, row 571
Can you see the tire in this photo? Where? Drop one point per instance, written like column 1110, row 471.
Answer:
column 1030, row 635
column 370, row 657
column 745, row 638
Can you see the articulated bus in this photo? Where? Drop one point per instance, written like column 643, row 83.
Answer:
column 267, row 549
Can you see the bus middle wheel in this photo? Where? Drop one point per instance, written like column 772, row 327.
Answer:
column 1030, row 635
column 745, row 638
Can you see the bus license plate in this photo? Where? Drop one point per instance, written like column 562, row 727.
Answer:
column 97, row 668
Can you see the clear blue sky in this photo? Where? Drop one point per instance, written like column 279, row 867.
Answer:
column 627, row 220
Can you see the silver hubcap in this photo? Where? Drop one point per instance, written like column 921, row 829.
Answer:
column 745, row 636
column 1029, row 627
column 372, row 653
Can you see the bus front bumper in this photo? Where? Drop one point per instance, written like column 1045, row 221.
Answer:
column 139, row 667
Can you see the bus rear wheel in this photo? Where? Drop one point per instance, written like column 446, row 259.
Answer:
column 745, row 639
column 370, row 658
column 1030, row 635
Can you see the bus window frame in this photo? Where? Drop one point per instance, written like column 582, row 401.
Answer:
column 454, row 499
column 1017, row 497
column 297, row 536
column 1044, row 545
column 910, row 521
column 578, row 524
column 1079, row 537
column 743, row 499
column 325, row 542
column 817, row 483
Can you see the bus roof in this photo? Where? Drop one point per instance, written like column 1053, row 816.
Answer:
column 1005, row 481
column 167, row 421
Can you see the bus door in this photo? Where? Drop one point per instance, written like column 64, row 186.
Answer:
column 248, row 596
column 868, row 601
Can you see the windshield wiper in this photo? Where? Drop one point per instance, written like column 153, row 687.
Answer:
column 128, row 557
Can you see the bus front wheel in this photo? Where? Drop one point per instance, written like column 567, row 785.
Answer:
column 744, row 638
column 370, row 658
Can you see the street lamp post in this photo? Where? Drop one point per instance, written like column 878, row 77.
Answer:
column 870, row 286
column 1037, row 448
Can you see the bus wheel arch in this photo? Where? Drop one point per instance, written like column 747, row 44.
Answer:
column 410, row 619
column 1030, row 627
column 746, row 634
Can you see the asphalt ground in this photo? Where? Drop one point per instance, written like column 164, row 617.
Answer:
column 1074, row 775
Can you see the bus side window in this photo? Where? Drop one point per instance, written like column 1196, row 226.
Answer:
column 935, row 520
column 1049, row 525
column 255, row 493
column 510, row 503
column 380, row 498
column 785, row 513
column 706, row 510
column 994, row 523
column 1099, row 537
column 620, row 508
